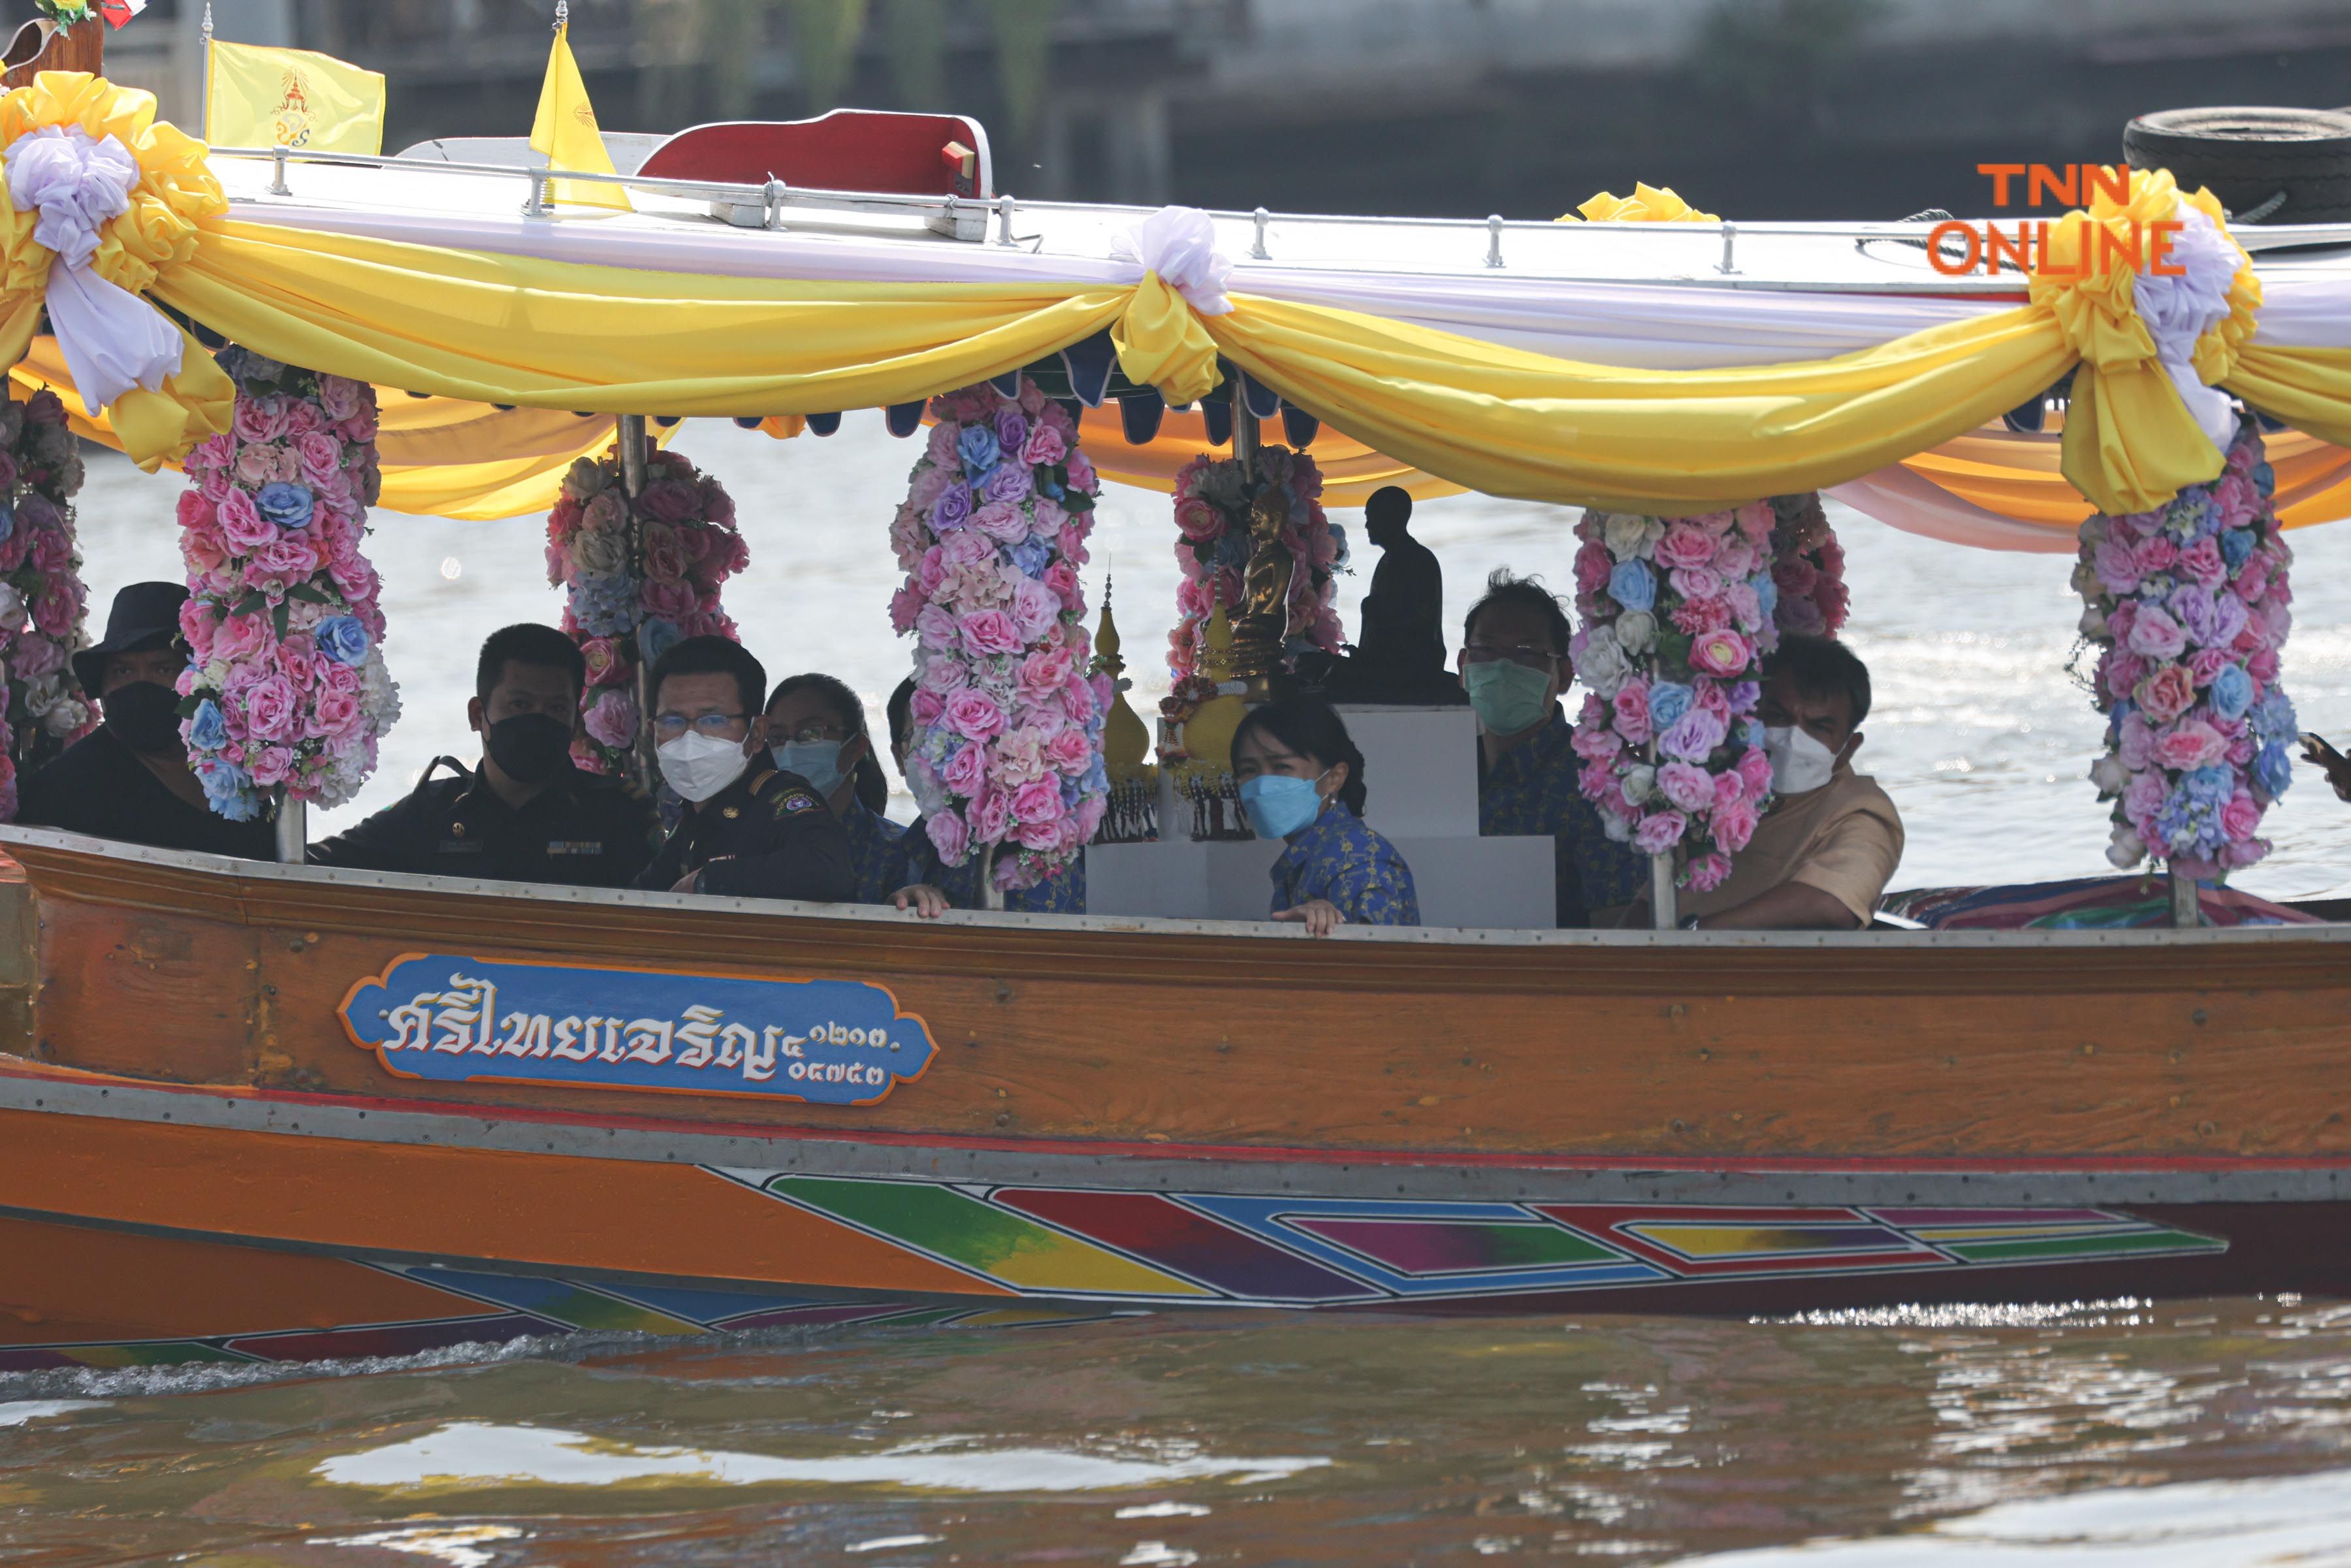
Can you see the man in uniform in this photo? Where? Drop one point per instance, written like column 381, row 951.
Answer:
column 749, row 830
column 526, row 814
column 130, row 779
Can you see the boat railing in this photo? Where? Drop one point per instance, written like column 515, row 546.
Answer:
column 969, row 218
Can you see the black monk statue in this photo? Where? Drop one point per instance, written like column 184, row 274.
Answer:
column 1399, row 656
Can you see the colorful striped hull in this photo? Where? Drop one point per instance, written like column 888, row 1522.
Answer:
column 1033, row 1255
column 1180, row 1248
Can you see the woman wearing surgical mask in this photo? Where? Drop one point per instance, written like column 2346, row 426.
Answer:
column 1301, row 780
column 816, row 729
column 1514, row 665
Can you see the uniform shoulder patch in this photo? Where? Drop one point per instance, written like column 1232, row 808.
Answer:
column 795, row 802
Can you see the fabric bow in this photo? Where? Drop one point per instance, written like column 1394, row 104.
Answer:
column 2152, row 346
column 112, row 339
column 1159, row 339
column 102, row 201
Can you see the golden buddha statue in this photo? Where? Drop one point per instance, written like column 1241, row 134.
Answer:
column 1263, row 623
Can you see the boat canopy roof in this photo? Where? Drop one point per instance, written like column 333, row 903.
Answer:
column 1664, row 367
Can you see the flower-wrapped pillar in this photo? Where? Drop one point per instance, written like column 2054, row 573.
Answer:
column 286, row 690
column 1676, row 618
column 2188, row 605
column 1808, row 567
column 1007, row 751
column 41, row 593
column 1213, row 501
column 638, row 576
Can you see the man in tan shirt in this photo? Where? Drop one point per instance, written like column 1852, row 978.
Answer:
column 1823, row 854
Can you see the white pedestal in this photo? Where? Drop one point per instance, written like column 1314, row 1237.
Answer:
column 1421, row 764
column 1182, row 879
column 1493, row 883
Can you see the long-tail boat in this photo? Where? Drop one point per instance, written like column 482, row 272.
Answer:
column 276, row 1112
column 216, row 1145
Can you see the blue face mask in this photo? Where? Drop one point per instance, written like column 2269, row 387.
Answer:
column 1278, row 805
column 818, row 761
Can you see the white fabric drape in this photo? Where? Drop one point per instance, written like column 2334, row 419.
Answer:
column 1636, row 325
column 112, row 339
column 1179, row 244
column 2180, row 308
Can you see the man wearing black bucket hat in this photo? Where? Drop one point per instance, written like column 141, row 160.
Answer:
column 526, row 813
column 129, row 778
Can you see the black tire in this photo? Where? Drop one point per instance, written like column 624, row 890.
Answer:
column 2250, row 156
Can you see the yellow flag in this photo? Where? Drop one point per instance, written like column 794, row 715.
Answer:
column 566, row 131
column 292, row 97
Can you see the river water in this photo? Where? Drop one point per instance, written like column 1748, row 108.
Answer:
column 2166, row 1432
column 2122, row 1432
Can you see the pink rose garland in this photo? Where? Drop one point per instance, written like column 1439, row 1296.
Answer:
column 687, row 546
column 1676, row 618
column 1807, row 568
column 1212, row 548
column 42, row 598
column 2189, row 606
column 1008, row 723
column 286, row 684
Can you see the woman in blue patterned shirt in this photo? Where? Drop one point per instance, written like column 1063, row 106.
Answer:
column 1301, row 779
column 816, row 727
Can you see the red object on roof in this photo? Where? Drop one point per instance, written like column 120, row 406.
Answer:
column 847, row 150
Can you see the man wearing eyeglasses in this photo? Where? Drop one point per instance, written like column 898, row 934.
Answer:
column 1514, row 665
column 749, row 830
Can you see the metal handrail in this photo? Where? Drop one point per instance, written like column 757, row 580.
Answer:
column 708, row 190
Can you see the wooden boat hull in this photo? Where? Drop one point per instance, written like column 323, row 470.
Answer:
column 1122, row 1115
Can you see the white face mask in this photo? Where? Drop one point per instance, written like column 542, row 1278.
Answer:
column 1799, row 762
column 698, row 765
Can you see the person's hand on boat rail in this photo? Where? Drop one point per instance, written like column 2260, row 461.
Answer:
column 1319, row 915
column 925, row 900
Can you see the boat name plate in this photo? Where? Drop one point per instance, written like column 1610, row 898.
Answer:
column 454, row 1020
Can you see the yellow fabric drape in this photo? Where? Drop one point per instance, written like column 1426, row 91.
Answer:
column 557, row 337
column 2019, row 477
column 1351, row 470
column 1509, row 422
column 520, row 330
column 504, row 329
column 2310, row 389
column 441, row 457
